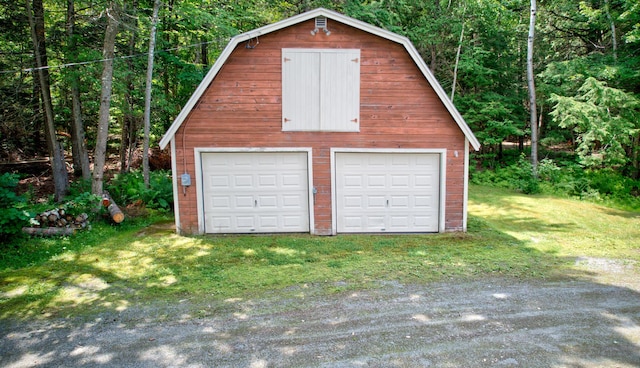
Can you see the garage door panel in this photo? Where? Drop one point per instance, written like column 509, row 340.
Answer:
column 423, row 221
column 243, row 181
column 266, row 181
column 425, row 201
column 376, row 181
column 268, row 222
column 399, row 202
column 353, row 222
column 267, row 202
column 400, row 181
column 220, row 181
column 221, row 202
column 292, row 201
column 294, row 180
column 390, row 192
column 353, row 201
column 255, row 192
column 424, row 181
column 399, row 222
column 375, row 223
column 221, row 223
column 292, row 222
column 243, row 202
column 352, row 181
column 376, row 202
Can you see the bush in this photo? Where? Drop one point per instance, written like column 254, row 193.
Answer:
column 129, row 188
column 518, row 176
column 13, row 215
column 563, row 176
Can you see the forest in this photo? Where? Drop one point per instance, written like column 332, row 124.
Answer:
column 93, row 85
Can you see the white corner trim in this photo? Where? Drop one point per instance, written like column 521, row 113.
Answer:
column 198, row 151
column 174, row 179
column 465, row 198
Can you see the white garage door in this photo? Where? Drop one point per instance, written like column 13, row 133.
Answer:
column 255, row 192
column 387, row 192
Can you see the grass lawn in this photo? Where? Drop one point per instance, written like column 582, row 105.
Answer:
column 143, row 261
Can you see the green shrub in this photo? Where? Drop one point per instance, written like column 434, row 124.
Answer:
column 563, row 176
column 549, row 171
column 129, row 187
column 84, row 202
column 13, row 215
column 518, row 176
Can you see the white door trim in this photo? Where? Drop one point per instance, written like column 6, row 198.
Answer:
column 198, row 151
column 443, row 178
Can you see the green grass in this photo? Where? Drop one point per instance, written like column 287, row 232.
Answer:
column 557, row 226
column 114, row 267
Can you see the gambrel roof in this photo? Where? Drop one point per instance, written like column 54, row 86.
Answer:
column 320, row 12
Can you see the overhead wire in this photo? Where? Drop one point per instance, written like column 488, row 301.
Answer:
column 67, row 65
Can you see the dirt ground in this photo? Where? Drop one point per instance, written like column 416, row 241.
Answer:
column 589, row 321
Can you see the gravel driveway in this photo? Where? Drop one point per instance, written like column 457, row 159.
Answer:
column 590, row 321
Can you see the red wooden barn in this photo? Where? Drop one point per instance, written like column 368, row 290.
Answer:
column 319, row 124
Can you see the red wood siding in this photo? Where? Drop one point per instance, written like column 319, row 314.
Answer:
column 243, row 108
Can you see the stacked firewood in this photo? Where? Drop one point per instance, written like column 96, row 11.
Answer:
column 58, row 217
column 56, row 222
column 59, row 221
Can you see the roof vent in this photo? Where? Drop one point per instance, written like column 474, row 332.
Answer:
column 321, row 24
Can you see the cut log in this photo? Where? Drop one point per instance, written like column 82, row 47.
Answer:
column 48, row 231
column 81, row 218
column 106, row 199
column 114, row 211
column 116, row 214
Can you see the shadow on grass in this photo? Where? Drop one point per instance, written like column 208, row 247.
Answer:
column 475, row 299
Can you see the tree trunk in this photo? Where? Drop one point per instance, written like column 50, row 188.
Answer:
column 80, row 155
column 455, row 69
column 147, row 94
column 105, row 101
column 613, row 30
column 129, row 121
column 635, row 154
column 58, row 166
column 533, row 117
column 49, row 231
column 204, row 50
column 114, row 211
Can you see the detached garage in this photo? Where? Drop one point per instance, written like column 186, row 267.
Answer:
column 319, row 124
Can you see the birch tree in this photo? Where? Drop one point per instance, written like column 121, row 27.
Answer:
column 147, row 95
column 105, row 100
column 533, row 117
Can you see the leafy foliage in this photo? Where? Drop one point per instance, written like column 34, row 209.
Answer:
column 564, row 177
column 13, row 215
column 606, row 121
column 129, row 188
column 518, row 175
